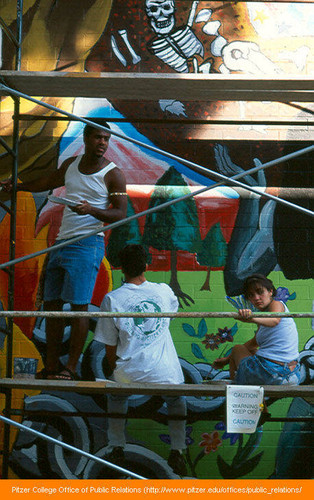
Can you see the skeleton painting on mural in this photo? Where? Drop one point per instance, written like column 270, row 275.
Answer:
column 177, row 46
column 174, row 46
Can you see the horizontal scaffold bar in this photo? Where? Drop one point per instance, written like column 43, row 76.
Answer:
column 282, row 192
column 284, row 121
column 106, row 386
column 152, row 86
column 190, row 314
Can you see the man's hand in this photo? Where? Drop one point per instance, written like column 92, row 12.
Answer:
column 111, row 355
column 6, row 185
column 82, row 208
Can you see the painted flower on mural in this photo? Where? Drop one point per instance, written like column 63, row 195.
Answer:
column 225, row 335
column 210, row 442
column 220, row 426
column 284, row 295
column 211, row 341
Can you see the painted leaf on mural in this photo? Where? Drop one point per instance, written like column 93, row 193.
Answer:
column 229, row 472
column 189, row 330
column 234, row 329
column 197, row 351
column 202, row 328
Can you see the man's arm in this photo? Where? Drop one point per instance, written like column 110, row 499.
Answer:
column 116, row 183
column 44, row 183
column 111, row 355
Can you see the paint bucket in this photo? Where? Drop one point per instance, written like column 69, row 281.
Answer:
column 25, row 367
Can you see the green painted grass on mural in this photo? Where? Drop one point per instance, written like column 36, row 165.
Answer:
column 225, row 455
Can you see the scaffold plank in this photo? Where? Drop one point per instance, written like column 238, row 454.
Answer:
column 152, row 86
column 103, row 387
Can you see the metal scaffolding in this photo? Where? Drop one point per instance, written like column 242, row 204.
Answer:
column 9, row 266
column 17, row 41
column 68, row 447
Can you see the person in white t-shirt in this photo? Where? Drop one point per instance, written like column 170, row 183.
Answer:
column 141, row 350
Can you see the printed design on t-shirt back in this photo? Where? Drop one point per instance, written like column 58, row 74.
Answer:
column 144, row 329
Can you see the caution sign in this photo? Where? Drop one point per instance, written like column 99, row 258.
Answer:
column 244, row 406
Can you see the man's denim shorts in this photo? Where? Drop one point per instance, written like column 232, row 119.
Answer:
column 255, row 370
column 72, row 270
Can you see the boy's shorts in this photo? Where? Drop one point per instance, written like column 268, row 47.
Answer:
column 256, row 370
column 72, row 270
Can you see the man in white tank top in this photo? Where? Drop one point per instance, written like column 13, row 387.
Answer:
column 98, row 189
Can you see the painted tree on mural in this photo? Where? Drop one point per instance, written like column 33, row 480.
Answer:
column 120, row 236
column 213, row 252
column 175, row 227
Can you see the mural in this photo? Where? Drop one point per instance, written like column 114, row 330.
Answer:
column 204, row 247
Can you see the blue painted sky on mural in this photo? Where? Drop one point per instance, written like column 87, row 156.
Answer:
column 75, row 130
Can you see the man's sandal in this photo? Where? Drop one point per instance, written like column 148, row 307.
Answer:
column 45, row 374
column 66, row 374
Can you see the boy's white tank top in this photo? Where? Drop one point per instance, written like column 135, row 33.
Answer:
column 79, row 187
column 279, row 342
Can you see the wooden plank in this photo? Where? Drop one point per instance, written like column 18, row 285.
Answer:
column 103, row 387
column 153, row 86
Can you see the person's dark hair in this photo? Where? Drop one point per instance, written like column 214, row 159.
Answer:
column 88, row 129
column 133, row 260
column 258, row 280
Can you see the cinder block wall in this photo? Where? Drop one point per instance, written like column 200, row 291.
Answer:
column 214, row 236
